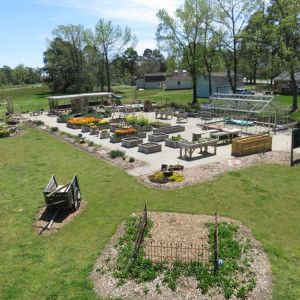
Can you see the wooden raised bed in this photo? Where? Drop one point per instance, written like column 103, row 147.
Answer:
column 131, row 142
column 148, row 148
column 157, row 137
column 169, row 129
column 173, row 144
column 251, row 145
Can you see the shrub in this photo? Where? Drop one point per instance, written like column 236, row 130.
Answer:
column 91, row 144
column 4, row 132
column 38, row 123
column 54, row 129
column 116, row 153
column 131, row 159
column 176, row 177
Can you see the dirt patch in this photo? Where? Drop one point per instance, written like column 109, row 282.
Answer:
column 178, row 227
column 64, row 217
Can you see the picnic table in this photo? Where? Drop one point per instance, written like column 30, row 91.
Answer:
column 189, row 148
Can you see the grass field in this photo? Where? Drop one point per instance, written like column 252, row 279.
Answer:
column 265, row 198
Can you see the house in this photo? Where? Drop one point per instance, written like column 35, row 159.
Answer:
column 178, row 81
column 219, row 84
column 151, row 81
column 283, row 82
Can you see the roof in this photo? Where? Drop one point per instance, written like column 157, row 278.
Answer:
column 285, row 76
column 179, row 78
column 80, row 96
column 155, row 77
column 221, row 79
column 241, row 102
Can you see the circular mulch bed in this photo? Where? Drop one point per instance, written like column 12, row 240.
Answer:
column 178, row 227
column 64, row 217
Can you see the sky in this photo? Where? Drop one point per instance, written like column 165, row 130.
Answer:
column 26, row 25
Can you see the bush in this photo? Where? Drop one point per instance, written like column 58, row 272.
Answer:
column 54, row 129
column 38, row 123
column 131, row 159
column 91, row 144
column 116, row 153
column 4, row 132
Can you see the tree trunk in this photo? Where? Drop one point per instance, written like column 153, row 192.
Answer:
column 294, row 90
column 194, row 91
column 107, row 72
column 255, row 72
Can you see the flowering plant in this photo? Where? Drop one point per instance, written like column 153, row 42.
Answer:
column 120, row 132
column 120, row 125
column 104, row 130
column 87, row 121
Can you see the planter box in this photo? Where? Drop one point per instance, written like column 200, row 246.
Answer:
column 148, row 148
column 169, row 129
column 251, row 144
column 131, row 142
column 94, row 131
column 157, row 137
column 142, row 128
column 85, row 129
column 61, row 120
column 173, row 144
column 118, row 139
column 104, row 135
column 104, row 126
column 118, row 120
column 73, row 126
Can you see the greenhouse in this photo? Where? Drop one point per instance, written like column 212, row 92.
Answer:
column 252, row 114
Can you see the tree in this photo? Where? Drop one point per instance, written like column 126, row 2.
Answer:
column 109, row 41
column 130, row 57
column 183, row 36
column 232, row 15
column 65, row 60
column 284, row 16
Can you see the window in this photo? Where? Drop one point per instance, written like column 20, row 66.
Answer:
column 178, row 82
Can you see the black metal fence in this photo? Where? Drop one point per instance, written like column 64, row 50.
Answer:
column 171, row 251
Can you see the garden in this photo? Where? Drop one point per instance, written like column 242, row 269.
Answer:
column 59, row 266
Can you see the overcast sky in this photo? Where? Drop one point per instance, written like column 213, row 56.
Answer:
column 25, row 25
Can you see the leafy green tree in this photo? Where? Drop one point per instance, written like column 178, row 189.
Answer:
column 232, row 15
column 183, row 36
column 284, row 16
column 130, row 57
column 110, row 41
column 65, row 60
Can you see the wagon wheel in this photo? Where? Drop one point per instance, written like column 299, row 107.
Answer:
column 77, row 199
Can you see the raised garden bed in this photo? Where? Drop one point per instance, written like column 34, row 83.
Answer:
column 104, row 135
column 157, row 137
column 118, row 139
column 85, row 129
column 142, row 128
column 169, row 129
column 73, row 126
column 131, row 142
column 148, row 148
column 173, row 144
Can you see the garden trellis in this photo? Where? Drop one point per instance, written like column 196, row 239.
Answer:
column 251, row 113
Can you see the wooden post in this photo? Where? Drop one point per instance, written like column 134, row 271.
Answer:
column 292, row 149
column 216, row 254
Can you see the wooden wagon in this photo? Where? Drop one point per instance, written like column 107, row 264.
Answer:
column 62, row 196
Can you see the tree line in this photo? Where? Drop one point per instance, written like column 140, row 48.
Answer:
column 20, row 75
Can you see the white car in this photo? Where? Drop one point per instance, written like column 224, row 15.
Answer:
column 244, row 91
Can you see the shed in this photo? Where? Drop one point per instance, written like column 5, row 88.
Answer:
column 219, row 82
column 177, row 83
column 283, row 82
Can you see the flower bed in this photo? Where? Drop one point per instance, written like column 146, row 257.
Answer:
column 88, row 122
column 4, row 132
column 162, row 177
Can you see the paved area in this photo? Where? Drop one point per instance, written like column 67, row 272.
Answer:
column 170, row 156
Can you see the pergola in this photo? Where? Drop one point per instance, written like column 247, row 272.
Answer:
column 77, row 102
column 246, row 111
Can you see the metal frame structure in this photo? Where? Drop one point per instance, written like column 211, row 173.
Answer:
column 251, row 113
column 79, row 102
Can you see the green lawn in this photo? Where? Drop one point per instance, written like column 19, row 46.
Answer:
column 265, row 198
column 26, row 98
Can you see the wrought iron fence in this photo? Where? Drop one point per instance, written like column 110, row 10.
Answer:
column 171, row 251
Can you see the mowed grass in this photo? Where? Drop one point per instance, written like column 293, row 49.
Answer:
column 265, row 198
column 26, row 98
